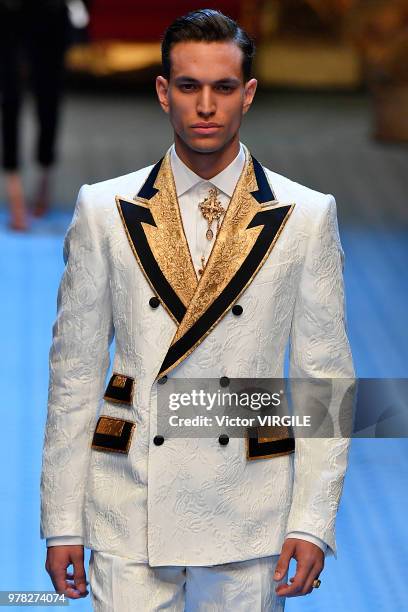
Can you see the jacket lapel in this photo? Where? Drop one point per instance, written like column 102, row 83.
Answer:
column 248, row 232
column 154, row 228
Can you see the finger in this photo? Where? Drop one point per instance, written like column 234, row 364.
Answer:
column 314, row 573
column 298, row 581
column 284, row 560
column 58, row 572
column 79, row 575
column 73, row 592
column 66, row 587
column 70, row 576
column 58, row 580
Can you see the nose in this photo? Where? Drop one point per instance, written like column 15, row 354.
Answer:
column 206, row 103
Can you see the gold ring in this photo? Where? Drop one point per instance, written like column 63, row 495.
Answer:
column 316, row 583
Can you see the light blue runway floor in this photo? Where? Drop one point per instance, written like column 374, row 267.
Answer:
column 371, row 572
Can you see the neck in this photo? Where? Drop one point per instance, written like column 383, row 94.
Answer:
column 207, row 165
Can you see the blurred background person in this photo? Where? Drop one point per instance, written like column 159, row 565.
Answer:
column 35, row 32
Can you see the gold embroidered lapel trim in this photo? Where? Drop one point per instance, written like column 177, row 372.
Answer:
column 156, row 235
column 248, row 232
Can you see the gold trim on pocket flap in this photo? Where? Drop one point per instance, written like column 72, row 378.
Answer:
column 267, row 442
column 113, row 434
column 120, row 389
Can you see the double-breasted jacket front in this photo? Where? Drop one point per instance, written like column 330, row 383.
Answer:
column 129, row 275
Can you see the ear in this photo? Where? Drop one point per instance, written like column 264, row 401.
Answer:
column 249, row 93
column 162, row 86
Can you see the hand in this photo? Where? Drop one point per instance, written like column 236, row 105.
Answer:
column 310, row 562
column 58, row 559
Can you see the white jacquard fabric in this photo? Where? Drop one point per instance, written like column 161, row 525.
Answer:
column 206, row 504
column 120, row 584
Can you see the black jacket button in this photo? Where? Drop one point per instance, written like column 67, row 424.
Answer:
column 162, row 380
column 224, row 381
column 154, row 302
column 237, row 309
column 223, row 439
column 158, row 440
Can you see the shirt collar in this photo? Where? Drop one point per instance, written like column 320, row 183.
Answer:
column 225, row 180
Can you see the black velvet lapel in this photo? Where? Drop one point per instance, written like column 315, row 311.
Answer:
column 264, row 193
column 148, row 190
column 134, row 215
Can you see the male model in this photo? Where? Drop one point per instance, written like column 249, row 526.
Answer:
column 203, row 265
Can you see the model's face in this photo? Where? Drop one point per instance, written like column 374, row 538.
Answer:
column 206, row 96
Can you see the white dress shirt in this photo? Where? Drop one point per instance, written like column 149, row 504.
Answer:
column 191, row 189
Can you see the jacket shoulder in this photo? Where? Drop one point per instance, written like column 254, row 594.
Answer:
column 104, row 192
column 98, row 199
column 287, row 190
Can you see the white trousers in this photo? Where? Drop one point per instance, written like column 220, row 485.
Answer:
column 119, row 584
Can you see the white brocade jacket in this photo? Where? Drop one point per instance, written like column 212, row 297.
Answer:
column 106, row 476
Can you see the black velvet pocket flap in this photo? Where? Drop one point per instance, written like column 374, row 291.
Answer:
column 267, row 442
column 113, row 434
column 120, row 389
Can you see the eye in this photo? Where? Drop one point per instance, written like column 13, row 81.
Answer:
column 225, row 88
column 187, row 87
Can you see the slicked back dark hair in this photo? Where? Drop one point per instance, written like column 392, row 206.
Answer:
column 207, row 25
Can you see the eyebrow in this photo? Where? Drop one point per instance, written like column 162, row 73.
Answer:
column 226, row 81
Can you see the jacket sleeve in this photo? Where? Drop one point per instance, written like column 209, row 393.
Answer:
column 79, row 360
column 319, row 348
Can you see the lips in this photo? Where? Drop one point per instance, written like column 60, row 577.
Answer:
column 205, row 128
column 205, row 125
